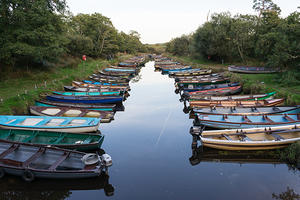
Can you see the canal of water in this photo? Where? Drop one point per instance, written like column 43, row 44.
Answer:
column 152, row 156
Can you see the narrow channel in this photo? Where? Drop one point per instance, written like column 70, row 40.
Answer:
column 150, row 146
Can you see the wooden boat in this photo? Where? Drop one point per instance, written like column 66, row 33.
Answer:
column 117, row 78
column 106, row 116
column 198, row 77
column 192, row 88
column 177, row 69
column 87, row 94
column 237, row 103
column 105, row 84
column 208, row 81
column 45, row 123
column 103, row 107
column 128, row 71
column 85, row 99
column 127, row 64
column 191, row 72
column 32, row 161
column 107, row 80
column 87, row 85
column 83, row 141
column 251, row 69
column 216, row 91
column 86, row 89
column 160, row 67
column 250, row 139
column 245, row 121
column 247, row 111
column 114, row 73
column 235, row 97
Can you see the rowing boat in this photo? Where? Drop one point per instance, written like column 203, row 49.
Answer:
column 192, row 88
column 235, row 97
column 250, row 139
column 33, row 161
column 247, row 111
column 105, row 84
column 103, row 107
column 129, row 71
column 199, row 77
column 46, row 123
column 216, row 91
column 106, row 116
column 191, row 72
column 201, row 82
column 251, row 69
column 78, row 141
column 177, row 69
column 245, row 121
column 237, row 103
column 85, row 89
column 87, row 85
column 85, row 99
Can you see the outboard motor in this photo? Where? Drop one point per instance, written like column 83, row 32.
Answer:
column 106, row 160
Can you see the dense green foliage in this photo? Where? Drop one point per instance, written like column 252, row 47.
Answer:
column 37, row 33
column 265, row 39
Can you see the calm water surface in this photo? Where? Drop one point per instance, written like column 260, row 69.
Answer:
column 150, row 146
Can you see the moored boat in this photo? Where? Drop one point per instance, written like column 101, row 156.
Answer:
column 245, row 121
column 191, row 72
column 46, row 123
column 216, row 91
column 192, row 88
column 104, row 107
column 33, row 161
column 85, row 99
column 235, row 97
column 237, row 103
column 87, row 85
column 106, row 116
column 250, row 139
column 78, row 141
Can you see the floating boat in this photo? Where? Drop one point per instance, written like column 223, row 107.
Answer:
column 86, row 89
column 126, row 64
column 107, row 79
column 45, row 123
column 32, row 161
column 247, row 111
column 105, row 84
column 216, row 91
column 192, row 88
column 191, row 72
column 114, row 73
column 235, row 97
column 177, row 69
column 251, row 69
column 117, row 78
column 106, row 116
column 160, row 67
column 208, row 81
column 82, row 142
column 237, row 103
column 250, row 139
column 86, row 94
column 245, row 121
column 198, row 77
column 129, row 71
column 87, row 85
column 85, row 99
column 103, row 107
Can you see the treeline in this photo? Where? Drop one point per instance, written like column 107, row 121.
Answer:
column 36, row 33
column 265, row 38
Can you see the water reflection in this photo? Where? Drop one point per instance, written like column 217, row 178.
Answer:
column 15, row 188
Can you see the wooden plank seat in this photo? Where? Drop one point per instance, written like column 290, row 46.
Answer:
column 227, row 137
column 247, row 119
column 289, row 118
column 59, row 161
column 36, row 155
column 11, row 149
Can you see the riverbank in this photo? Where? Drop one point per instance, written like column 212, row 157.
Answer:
column 284, row 84
column 16, row 94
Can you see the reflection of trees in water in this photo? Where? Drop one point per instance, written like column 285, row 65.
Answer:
column 289, row 194
column 33, row 195
column 136, row 78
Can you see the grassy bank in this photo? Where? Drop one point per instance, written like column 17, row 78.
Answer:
column 286, row 84
column 16, row 94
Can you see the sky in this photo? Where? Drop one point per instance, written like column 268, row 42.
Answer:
column 159, row 21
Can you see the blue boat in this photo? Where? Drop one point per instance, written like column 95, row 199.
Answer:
column 167, row 70
column 85, row 99
column 116, row 93
column 46, row 123
column 105, row 84
column 246, row 121
column 193, row 88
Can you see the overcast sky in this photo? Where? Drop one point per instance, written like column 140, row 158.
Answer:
column 161, row 20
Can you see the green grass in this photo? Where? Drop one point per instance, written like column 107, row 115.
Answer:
column 16, row 94
column 285, row 84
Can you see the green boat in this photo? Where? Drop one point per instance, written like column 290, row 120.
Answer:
column 82, row 142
